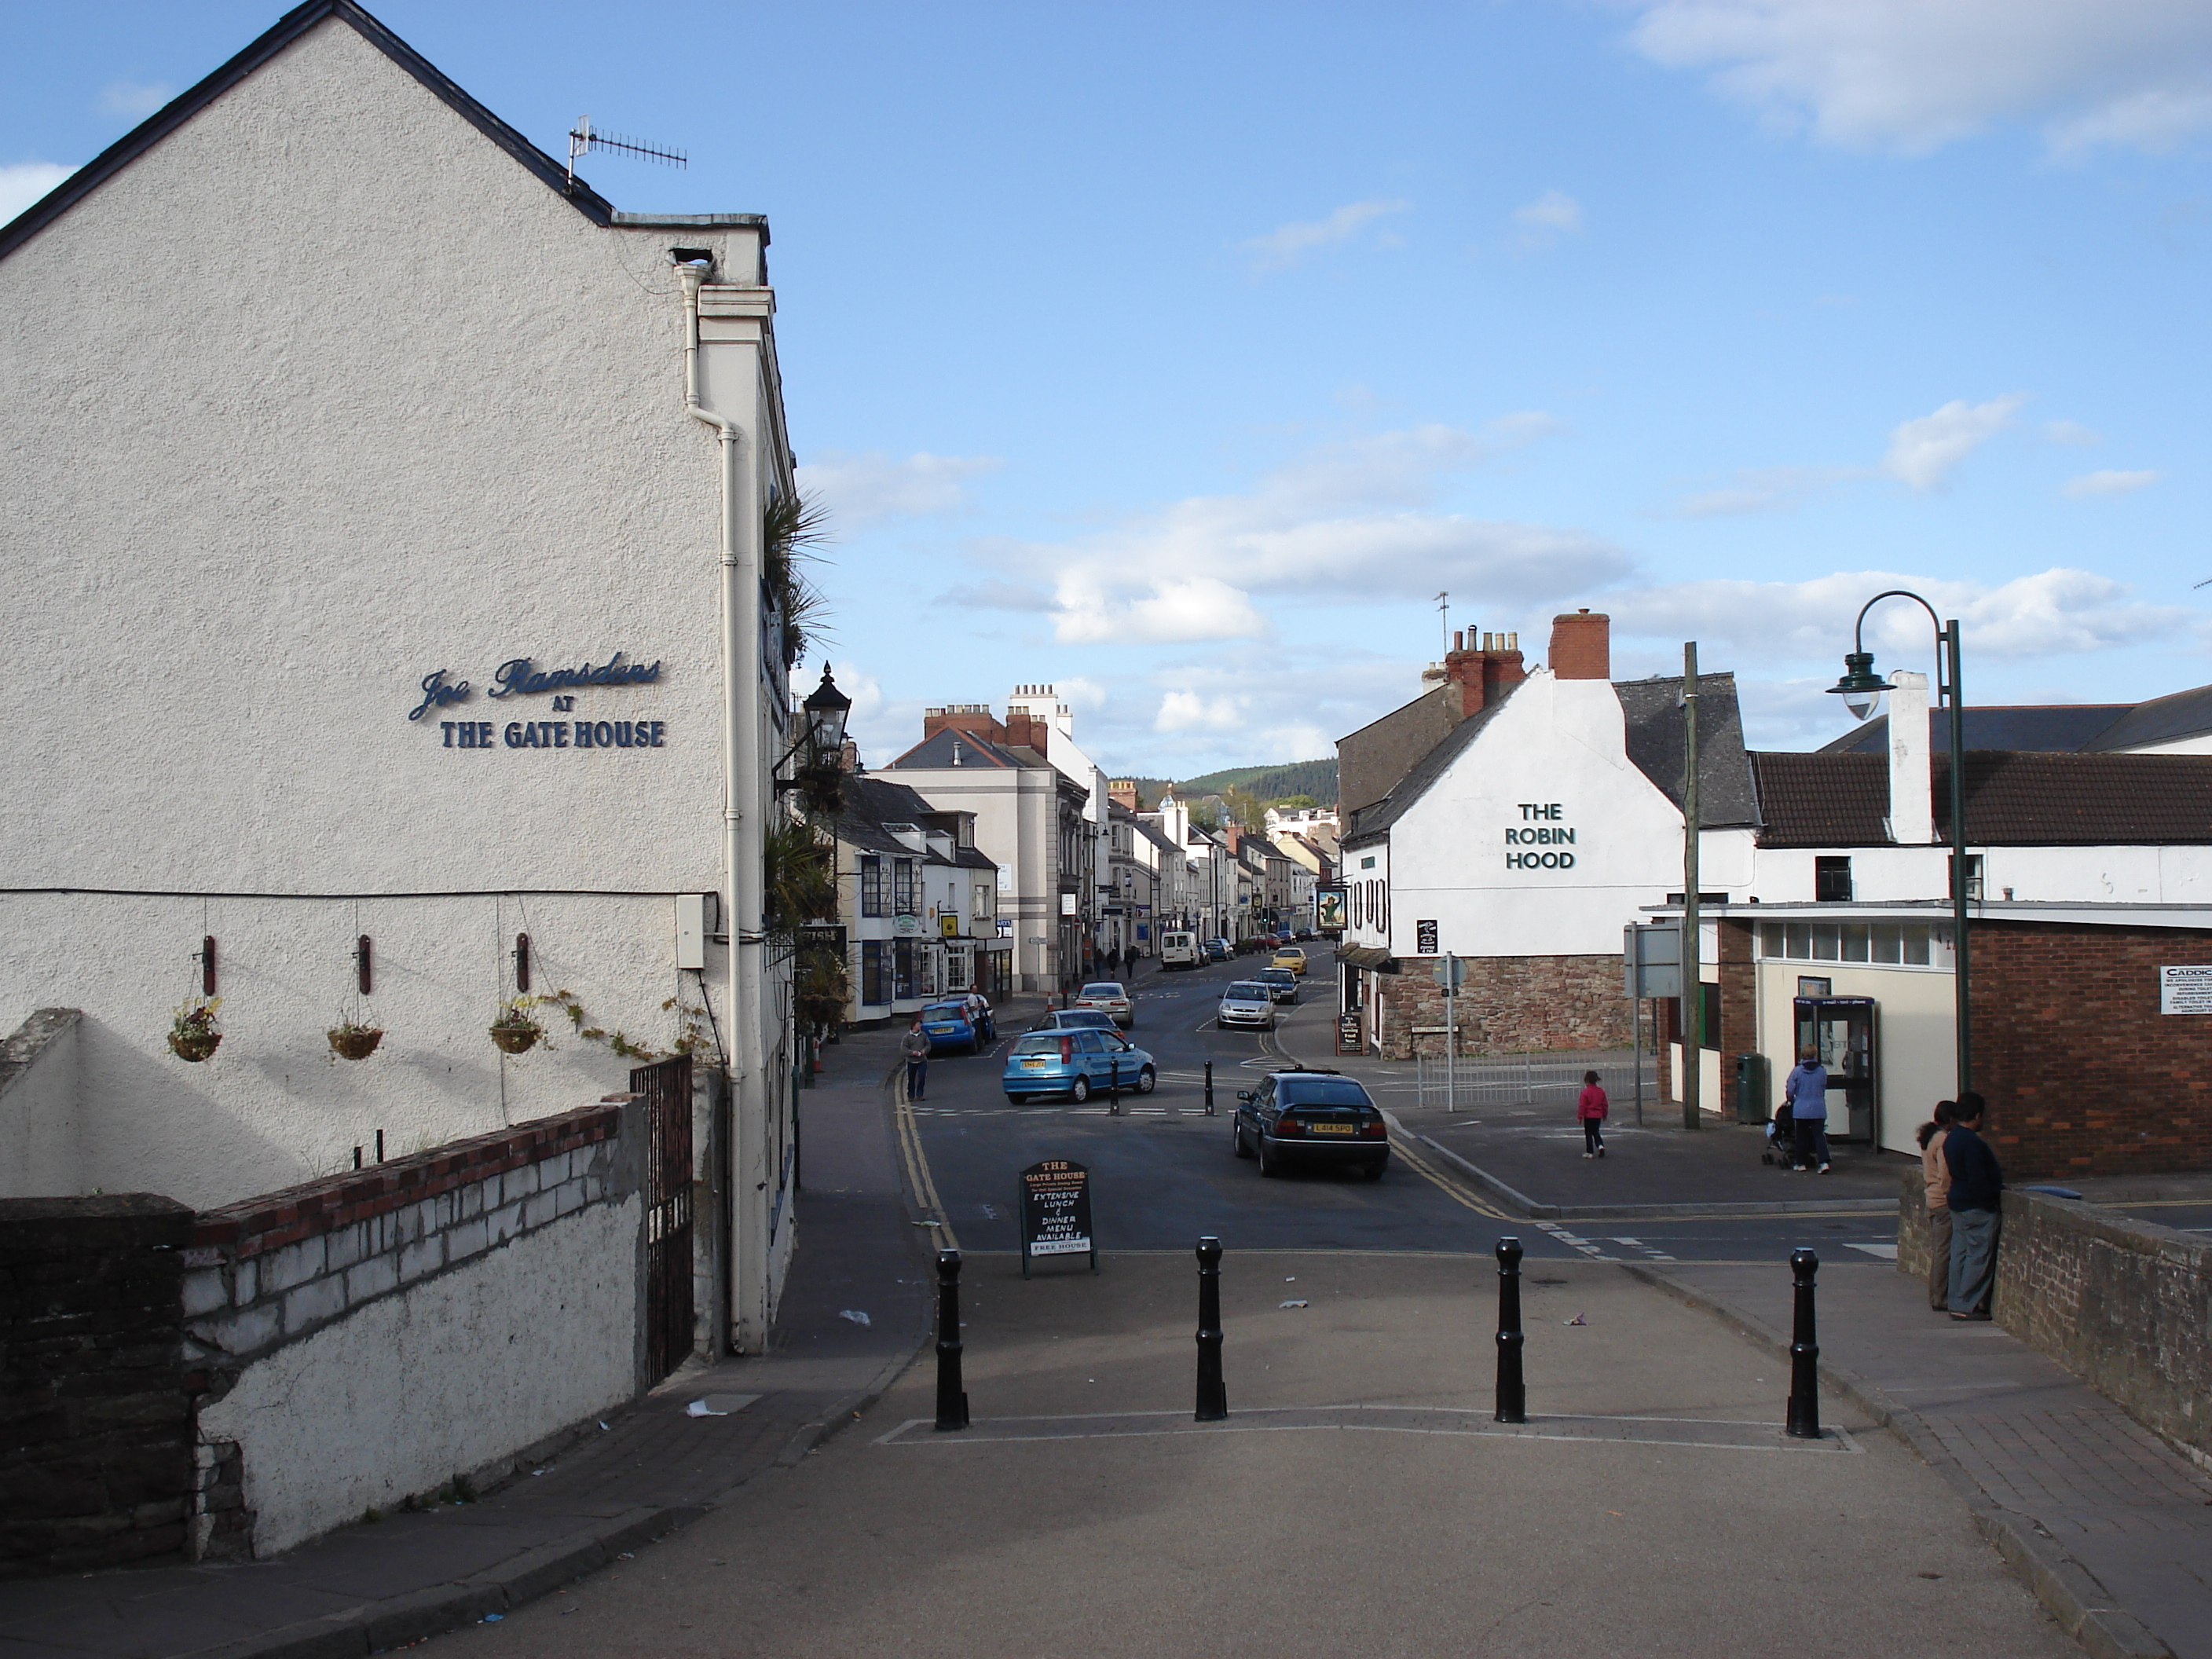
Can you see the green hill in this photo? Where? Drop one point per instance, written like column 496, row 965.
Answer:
column 1316, row 778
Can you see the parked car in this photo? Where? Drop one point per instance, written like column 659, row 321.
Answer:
column 1304, row 933
column 1180, row 951
column 1108, row 998
column 1076, row 1063
column 1218, row 950
column 950, row 1029
column 1311, row 1118
column 1282, row 984
column 1076, row 1019
column 1245, row 1002
column 1292, row 958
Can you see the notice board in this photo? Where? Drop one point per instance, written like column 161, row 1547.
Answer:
column 1056, row 1212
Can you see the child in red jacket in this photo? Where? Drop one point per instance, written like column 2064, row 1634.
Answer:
column 1591, row 1107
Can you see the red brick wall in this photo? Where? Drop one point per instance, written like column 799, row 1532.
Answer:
column 1508, row 1005
column 2083, row 1075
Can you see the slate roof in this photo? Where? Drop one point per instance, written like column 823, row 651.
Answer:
column 2177, row 714
column 937, row 751
column 2047, row 728
column 870, row 804
column 2013, row 798
column 288, row 30
column 1657, row 743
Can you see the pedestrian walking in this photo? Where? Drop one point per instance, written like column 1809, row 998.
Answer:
column 1591, row 1107
column 1937, row 1185
column 1806, row 1089
column 1976, row 1197
column 914, row 1045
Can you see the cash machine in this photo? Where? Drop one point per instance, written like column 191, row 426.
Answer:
column 1842, row 1031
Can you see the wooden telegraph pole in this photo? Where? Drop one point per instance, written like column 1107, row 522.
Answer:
column 1693, row 988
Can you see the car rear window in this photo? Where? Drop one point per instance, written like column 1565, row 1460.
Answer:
column 1322, row 1092
column 1038, row 1042
column 1247, row 990
column 1101, row 990
column 1278, row 976
column 945, row 1010
column 1082, row 1019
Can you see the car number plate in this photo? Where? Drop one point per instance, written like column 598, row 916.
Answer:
column 1334, row 1129
column 1033, row 1066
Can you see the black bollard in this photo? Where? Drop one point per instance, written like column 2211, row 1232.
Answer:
column 1804, row 1422
column 1209, row 1088
column 951, row 1398
column 1512, row 1389
column 1213, row 1395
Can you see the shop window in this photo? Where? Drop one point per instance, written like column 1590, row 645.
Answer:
column 1832, row 881
column 872, row 890
column 906, row 962
column 903, row 897
column 871, row 971
column 1885, row 941
column 1907, row 944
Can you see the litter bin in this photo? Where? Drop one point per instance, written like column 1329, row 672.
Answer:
column 1752, row 1089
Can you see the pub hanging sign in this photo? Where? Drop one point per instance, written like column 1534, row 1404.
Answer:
column 520, row 677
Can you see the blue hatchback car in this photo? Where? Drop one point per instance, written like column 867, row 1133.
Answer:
column 1075, row 1063
column 951, row 1025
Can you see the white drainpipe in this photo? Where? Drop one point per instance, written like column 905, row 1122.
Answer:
column 742, row 834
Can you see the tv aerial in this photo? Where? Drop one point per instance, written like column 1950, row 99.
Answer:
column 582, row 140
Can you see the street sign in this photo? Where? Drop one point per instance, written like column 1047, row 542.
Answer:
column 1652, row 960
column 1451, row 973
column 1424, row 938
column 1056, row 1212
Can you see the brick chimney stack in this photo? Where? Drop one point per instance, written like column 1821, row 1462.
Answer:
column 1481, row 673
column 974, row 718
column 1124, row 791
column 1582, row 646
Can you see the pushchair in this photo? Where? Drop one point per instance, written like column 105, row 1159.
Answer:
column 1781, row 1145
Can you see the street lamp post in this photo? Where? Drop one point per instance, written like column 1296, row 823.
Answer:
column 1861, row 688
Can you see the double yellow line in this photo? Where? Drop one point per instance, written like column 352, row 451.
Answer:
column 1446, row 1181
column 920, row 1181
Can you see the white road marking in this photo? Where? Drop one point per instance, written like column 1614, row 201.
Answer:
column 1886, row 1252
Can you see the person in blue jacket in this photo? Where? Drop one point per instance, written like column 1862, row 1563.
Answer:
column 1977, row 1200
column 1806, row 1091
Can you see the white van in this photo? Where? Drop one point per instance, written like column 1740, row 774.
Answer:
column 1180, row 951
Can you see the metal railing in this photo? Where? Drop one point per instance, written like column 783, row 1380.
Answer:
column 1530, row 1082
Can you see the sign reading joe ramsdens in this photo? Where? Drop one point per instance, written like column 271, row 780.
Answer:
column 1056, row 1212
column 518, row 677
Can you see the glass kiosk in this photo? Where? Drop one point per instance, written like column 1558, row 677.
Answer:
column 1841, row 1030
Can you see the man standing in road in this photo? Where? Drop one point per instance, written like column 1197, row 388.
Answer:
column 914, row 1045
column 1976, row 1199
column 1807, row 1091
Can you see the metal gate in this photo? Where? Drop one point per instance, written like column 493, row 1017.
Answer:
column 666, row 1090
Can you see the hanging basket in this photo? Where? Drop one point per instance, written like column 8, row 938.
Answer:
column 515, row 1039
column 355, row 1041
column 194, row 1046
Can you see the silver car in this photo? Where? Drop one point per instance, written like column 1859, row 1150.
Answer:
column 1248, row 1003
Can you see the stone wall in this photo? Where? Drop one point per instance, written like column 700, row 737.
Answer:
column 2124, row 1305
column 1507, row 1005
column 356, row 1342
column 96, row 1458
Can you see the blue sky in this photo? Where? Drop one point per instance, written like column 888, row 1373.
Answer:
column 1179, row 355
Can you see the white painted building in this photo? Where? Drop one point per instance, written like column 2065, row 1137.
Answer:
column 383, row 538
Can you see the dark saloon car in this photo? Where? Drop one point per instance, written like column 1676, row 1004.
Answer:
column 1282, row 984
column 1317, row 1119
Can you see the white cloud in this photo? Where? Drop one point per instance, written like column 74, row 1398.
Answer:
column 1187, row 711
column 134, row 99
column 1550, row 217
column 2053, row 611
column 1922, row 451
column 860, row 489
column 2109, row 482
column 1910, row 76
column 24, row 182
column 1765, row 489
column 1286, row 245
column 2071, row 432
column 1346, row 523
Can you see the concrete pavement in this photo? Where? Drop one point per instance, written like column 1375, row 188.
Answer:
column 1652, row 1507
